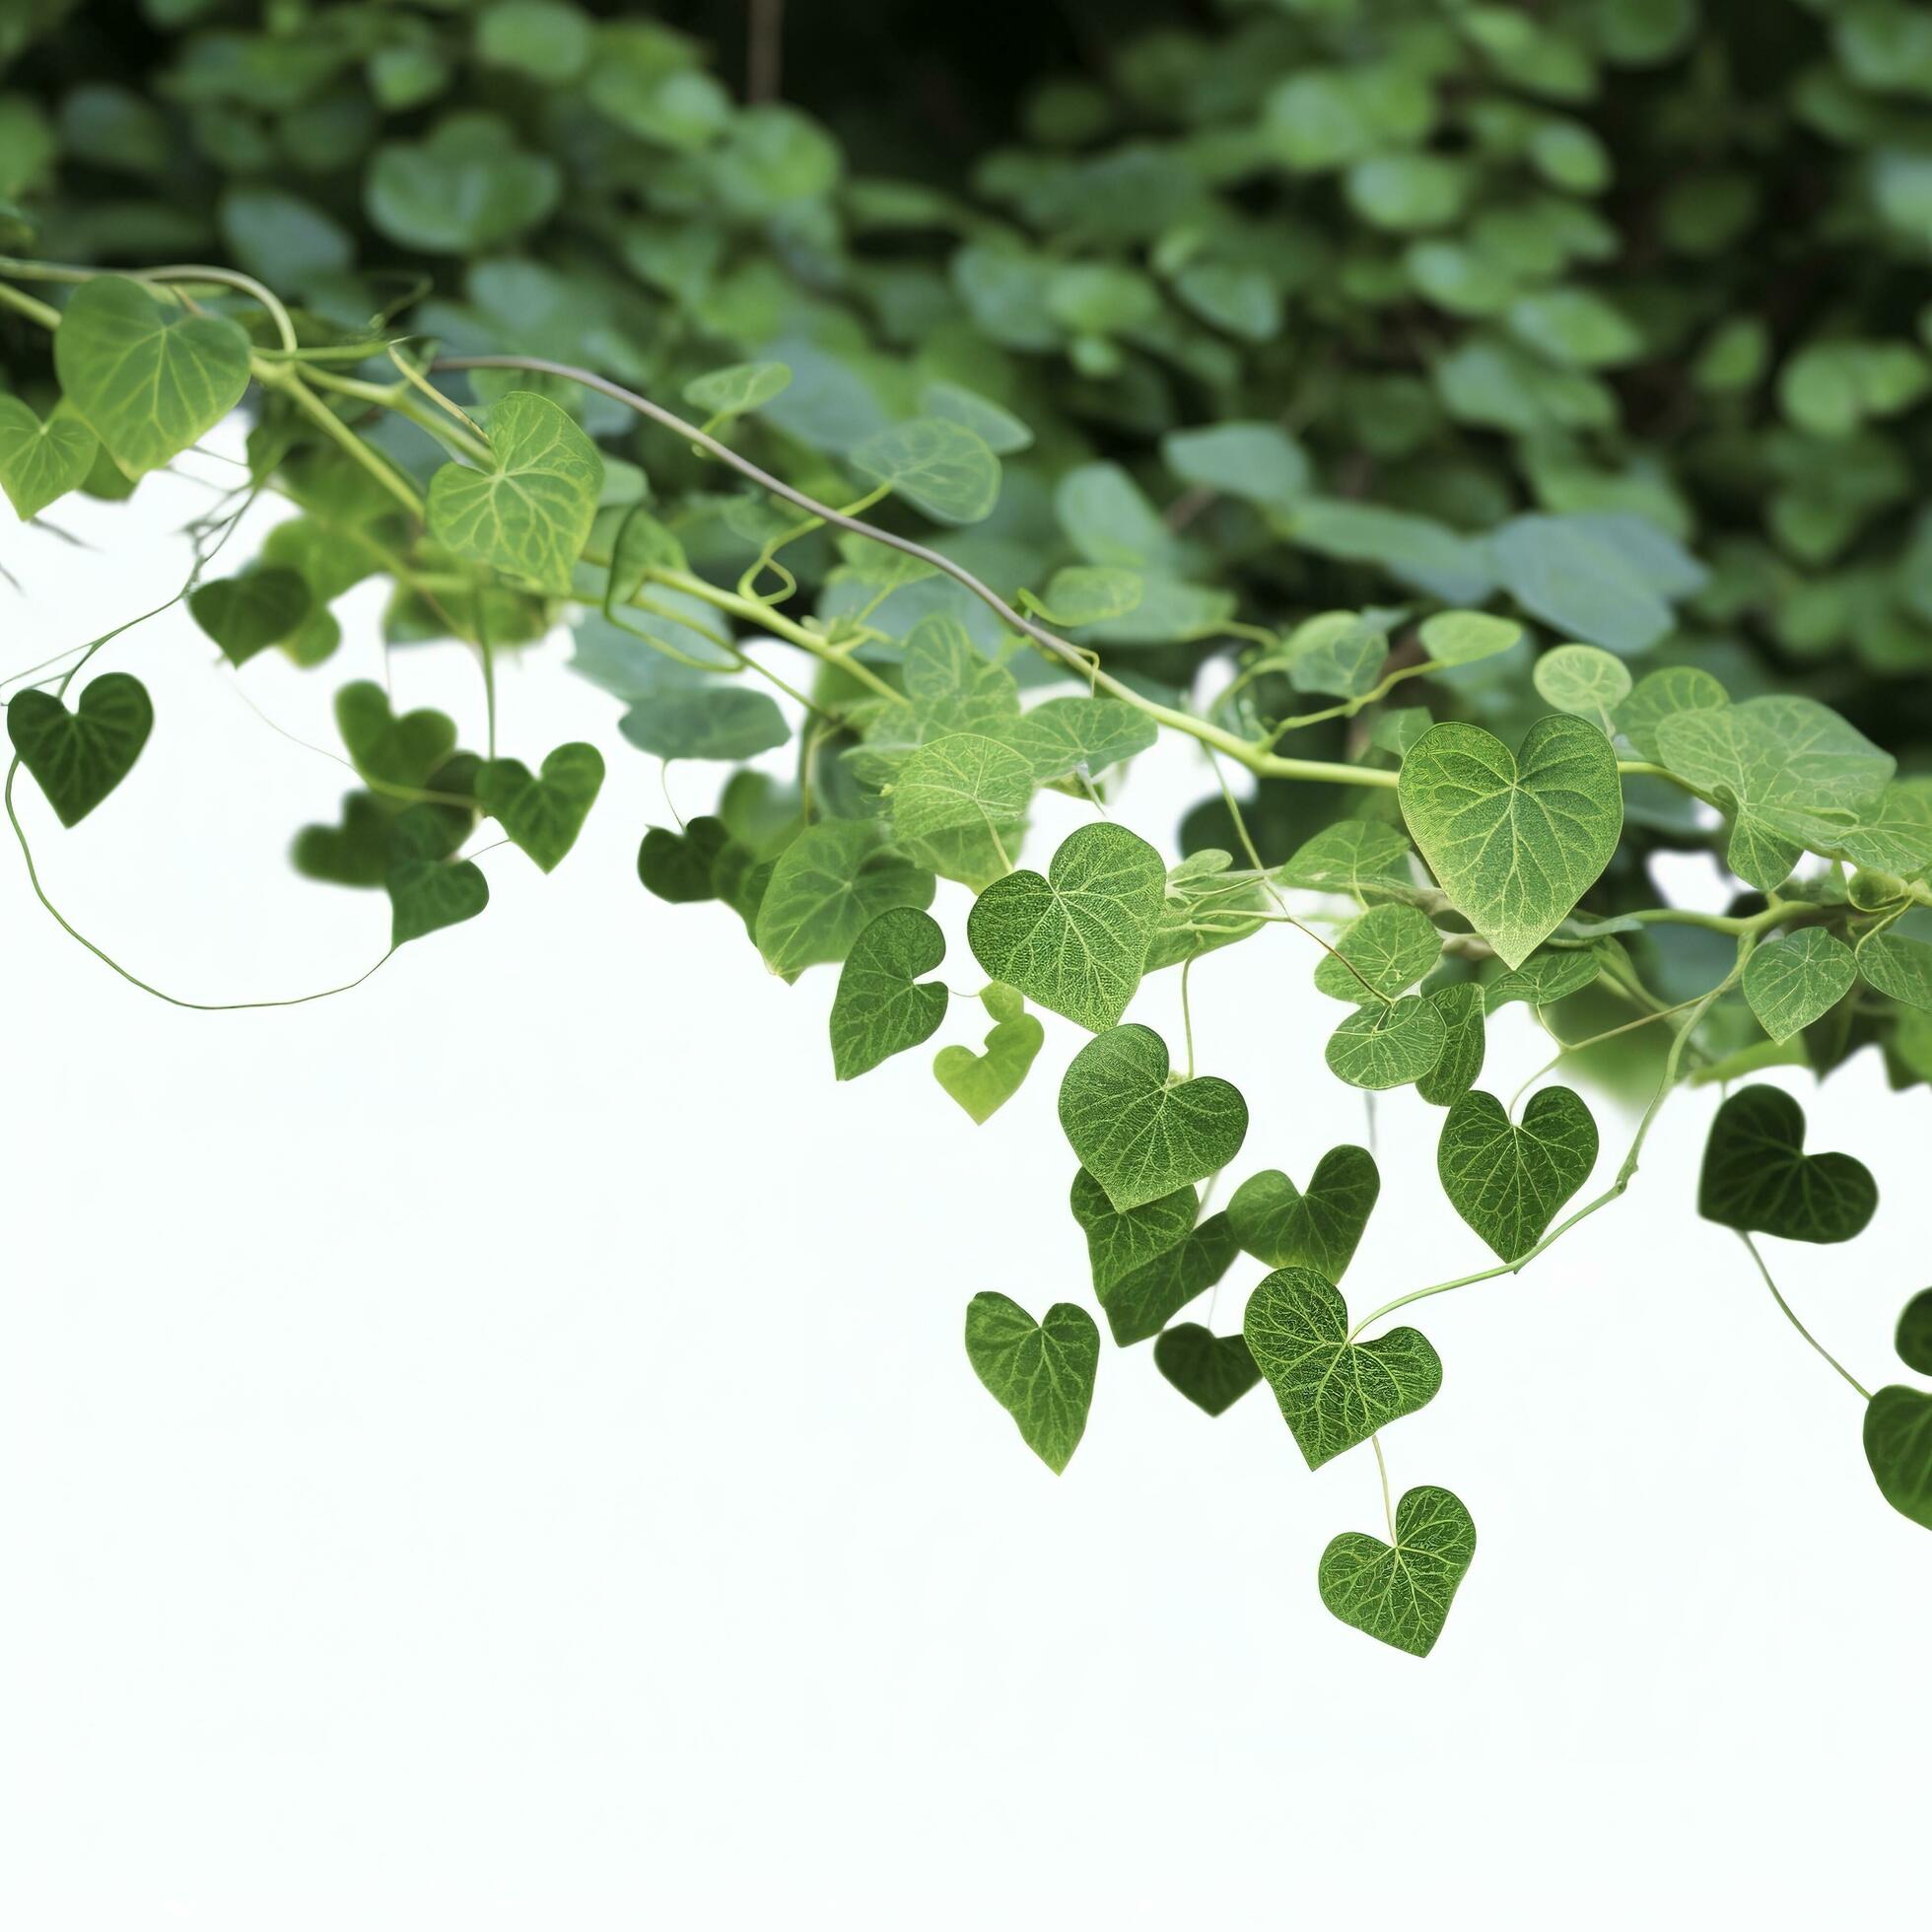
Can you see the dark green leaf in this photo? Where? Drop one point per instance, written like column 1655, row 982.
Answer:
column 1400, row 1596
column 1281, row 1226
column 77, row 757
column 1040, row 1373
column 880, row 1008
column 543, row 813
column 1758, row 1177
column 1507, row 1180
column 1214, row 1371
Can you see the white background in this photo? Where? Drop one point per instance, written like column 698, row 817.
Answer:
column 495, row 1449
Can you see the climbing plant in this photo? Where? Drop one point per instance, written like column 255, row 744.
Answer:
column 1258, row 395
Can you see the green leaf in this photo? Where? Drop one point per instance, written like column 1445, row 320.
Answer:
column 1460, row 1007
column 828, row 886
column 1577, row 583
column 1544, row 978
column 708, row 721
column 1338, row 653
column 400, row 751
column 1514, row 844
column 245, row 614
column 1040, row 1373
column 1914, row 1337
column 682, row 867
column 1899, row 967
column 1090, row 594
column 1378, row 1046
column 962, row 779
column 1334, row 1393
column 1400, row 1596
column 1663, row 694
column 543, row 815
column 1214, row 1371
column 936, row 465
column 40, row 463
column 1357, row 856
column 463, row 190
column 1258, row 462
column 1065, row 736
column 737, row 389
column 1898, row 1447
column 999, row 429
column 355, row 852
column 1138, row 1133
column 1121, row 1243
column 529, row 510
column 1465, row 636
column 1794, row 980
column 77, row 757
column 984, row 1082
column 148, row 376
column 1382, row 953
column 1508, row 1180
column 428, row 894
column 1758, row 1177
column 1284, row 1228
column 953, row 687
column 1142, row 1279
column 1074, row 941
column 1580, row 678
column 880, row 1008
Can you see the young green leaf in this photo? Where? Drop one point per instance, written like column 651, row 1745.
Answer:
column 1663, row 694
column 1400, row 1596
column 1138, row 1133
column 964, row 779
column 147, row 376
column 400, row 751
column 528, row 510
column 1508, row 1180
column 543, row 813
column 1756, row 1175
column 1378, row 1046
column 881, row 1008
column 827, row 887
column 1515, row 844
column 999, row 429
column 1151, row 1261
column 937, row 465
column 77, row 757
column 247, row 613
column 1898, row 1447
column 1464, row 1042
column 1899, row 967
column 428, row 894
column 1381, row 954
column 1793, row 980
column 737, row 389
column 983, row 1082
column 1074, row 941
column 1334, row 1393
column 1465, row 636
column 40, row 463
column 1214, row 1371
column 1284, row 1228
column 1040, row 1373
column 1580, row 678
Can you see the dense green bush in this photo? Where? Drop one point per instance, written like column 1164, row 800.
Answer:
column 1501, row 433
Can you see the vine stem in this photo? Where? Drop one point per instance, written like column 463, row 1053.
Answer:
column 1790, row 1316
column 1382, row 1465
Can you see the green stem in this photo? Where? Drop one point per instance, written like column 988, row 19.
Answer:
column 287, row 378
column 1388, row 1507
column 1791, row 1317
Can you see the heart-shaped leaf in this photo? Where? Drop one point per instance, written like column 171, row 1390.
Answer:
column 1544, row 978
column 1663, row 694
column 962, row 779
column 1914, row 1337
column 1040, row 1373
column 1379, row 955
column 1582, row 679
column 1151, row 1262
column 247, row 613
column 1400, row 1596
column 1507, row 1180
column 1360, row 857
column 1793, row 980
column 1214, row 1371
column 1378, row 1046
column 1065, row 736
column 737, row 389
column 1138, row 1133
column 1898, row 1447
column 1334, row 1393
column 1899, row 967
column 1281, row 1226
column 1074, row 941
column 827, row 887
column 880, row 1008
column 355, row 852
column 681, row 867
column 983, row 1082
column 1465, row 1041
column 77, row 757
column 543, row 813
column 402, row 751
column 939, row 466
column 710, row 721
column 149, row 376
column 1515, row 843
column 428, row 894
column 40, row 463
column 1758, row 1177
column 528, row 510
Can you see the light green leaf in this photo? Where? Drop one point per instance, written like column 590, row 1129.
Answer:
column 1567, row 574
column 1899, row 967
column 1757, row 1175
column 529, row 510
column 1580, row 678
column 1339, row 653
column 1514, row 844
column 1663, row 694
column 827, row 887
column 1282, row 1226
column 999, row 429
column 1214, row 1371
column 1378, row 1046
column 1090, row 594
column 1074, row 941
column 1360, row 857
column 1333, row 1392
column 1259, row 462
column 428, row 894
column 1137, row 1131
column 1544, row 978
column 40, row 463
column 1890, row 834
column 463, row 191
column 962, row 779
column 1400, row 1596
column 1381, row 954
column 737, row 389
column 247, row 613
column 1898, row 1447
column 1465, row 636
column 1065, row 736
column 543, row 813
column 77, row 757
column 1460, row 1007
column 953, row 687
column 880, row 1008
column 937, row 465
column 1141, row 1277
column 148, row 376
column 1794, row 980
column 708, row 721
column 1040, row 1373
column 984, row 1082
column 1508, row 1180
